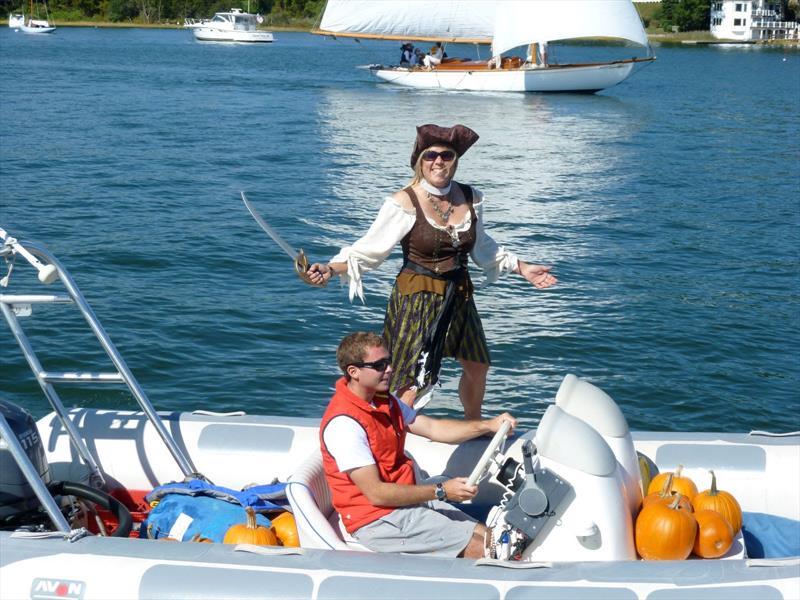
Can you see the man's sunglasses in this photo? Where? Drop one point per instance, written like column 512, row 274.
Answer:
column 377, row 365
column 432, row 155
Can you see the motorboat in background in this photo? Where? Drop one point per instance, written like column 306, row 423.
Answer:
column 232, row 26
column 506, row 25
column 566, row 494
column 16, row 20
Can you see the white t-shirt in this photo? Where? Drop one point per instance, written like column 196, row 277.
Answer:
column 347, row 441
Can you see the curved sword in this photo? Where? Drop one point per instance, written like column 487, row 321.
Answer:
column 300, row 259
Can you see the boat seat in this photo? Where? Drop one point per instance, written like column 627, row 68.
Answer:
column 318, row 524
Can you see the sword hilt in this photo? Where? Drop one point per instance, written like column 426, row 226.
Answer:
column 301, row 268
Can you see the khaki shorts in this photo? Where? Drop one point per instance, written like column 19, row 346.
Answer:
column 435, row 528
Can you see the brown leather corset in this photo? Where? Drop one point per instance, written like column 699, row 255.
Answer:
column 433, row 248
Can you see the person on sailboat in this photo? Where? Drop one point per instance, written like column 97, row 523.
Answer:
column 435, row 57
column 431, row 312
column 374, row 484
column 407, row 56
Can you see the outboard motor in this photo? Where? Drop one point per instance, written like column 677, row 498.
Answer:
column 16, row 495
column 21, row 507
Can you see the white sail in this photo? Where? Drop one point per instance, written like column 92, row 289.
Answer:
column 522, row 22
column 444, row 20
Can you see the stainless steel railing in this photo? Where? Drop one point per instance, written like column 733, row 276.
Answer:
column 15, row 306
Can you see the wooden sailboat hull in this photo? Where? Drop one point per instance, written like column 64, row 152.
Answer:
column 562, row 78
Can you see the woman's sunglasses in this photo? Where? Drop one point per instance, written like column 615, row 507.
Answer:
column 378, row 365
column 432, row 155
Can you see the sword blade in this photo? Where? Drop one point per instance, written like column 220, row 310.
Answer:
column 268, row 228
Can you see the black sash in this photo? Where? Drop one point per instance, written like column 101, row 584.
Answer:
column 426, row 371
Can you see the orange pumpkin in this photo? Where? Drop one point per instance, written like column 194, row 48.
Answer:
column 721, row 502
column 285, row 528
column 680, row 485
column 714, row 534
column 666, row 496
column 250, row 532
column 665, row 532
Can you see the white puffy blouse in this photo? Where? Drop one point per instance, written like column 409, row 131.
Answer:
column 391, row 226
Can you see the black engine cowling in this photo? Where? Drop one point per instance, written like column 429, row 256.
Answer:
column 16, row 495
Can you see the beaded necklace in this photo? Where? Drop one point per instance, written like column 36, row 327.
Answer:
column 437, row 207
column 444, row 215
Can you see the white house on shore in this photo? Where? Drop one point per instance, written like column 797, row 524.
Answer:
column 751, row 20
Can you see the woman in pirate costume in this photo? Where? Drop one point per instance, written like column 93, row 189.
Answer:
column 431, row 311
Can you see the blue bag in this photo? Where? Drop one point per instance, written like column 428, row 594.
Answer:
column 197, row 508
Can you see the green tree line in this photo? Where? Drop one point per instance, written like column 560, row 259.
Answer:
column 276, row 12
column 687, row 15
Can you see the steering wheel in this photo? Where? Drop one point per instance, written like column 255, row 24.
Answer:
column 492, row 450
column 99, row 497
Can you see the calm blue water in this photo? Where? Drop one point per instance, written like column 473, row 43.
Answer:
column 670, row 207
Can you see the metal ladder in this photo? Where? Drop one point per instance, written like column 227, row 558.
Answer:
column 14, row 306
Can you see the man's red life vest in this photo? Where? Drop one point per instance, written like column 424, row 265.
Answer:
column 386, row 434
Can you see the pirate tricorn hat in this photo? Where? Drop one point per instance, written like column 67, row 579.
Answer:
column 458, row 137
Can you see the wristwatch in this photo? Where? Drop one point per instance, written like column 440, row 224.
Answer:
column 440, row 493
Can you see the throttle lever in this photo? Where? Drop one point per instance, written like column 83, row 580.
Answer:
column 532, row 499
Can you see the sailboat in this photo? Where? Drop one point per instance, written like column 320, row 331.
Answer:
column 505, row 25
column 34, row 23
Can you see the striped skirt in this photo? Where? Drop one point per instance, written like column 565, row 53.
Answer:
column 408, row 317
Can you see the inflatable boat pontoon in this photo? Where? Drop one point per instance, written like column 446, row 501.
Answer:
column 561, row 499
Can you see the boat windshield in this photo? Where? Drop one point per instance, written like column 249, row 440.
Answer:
column 244, row 22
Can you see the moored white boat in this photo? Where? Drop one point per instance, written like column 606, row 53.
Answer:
column 232, row 26
column 506, row 25
column 580, row 544
column 15, row 20
column 37, row 26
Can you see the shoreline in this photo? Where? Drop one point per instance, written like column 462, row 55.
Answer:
column 688, row 38
column 133, row 25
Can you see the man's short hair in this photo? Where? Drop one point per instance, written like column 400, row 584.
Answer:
column 354, row 347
